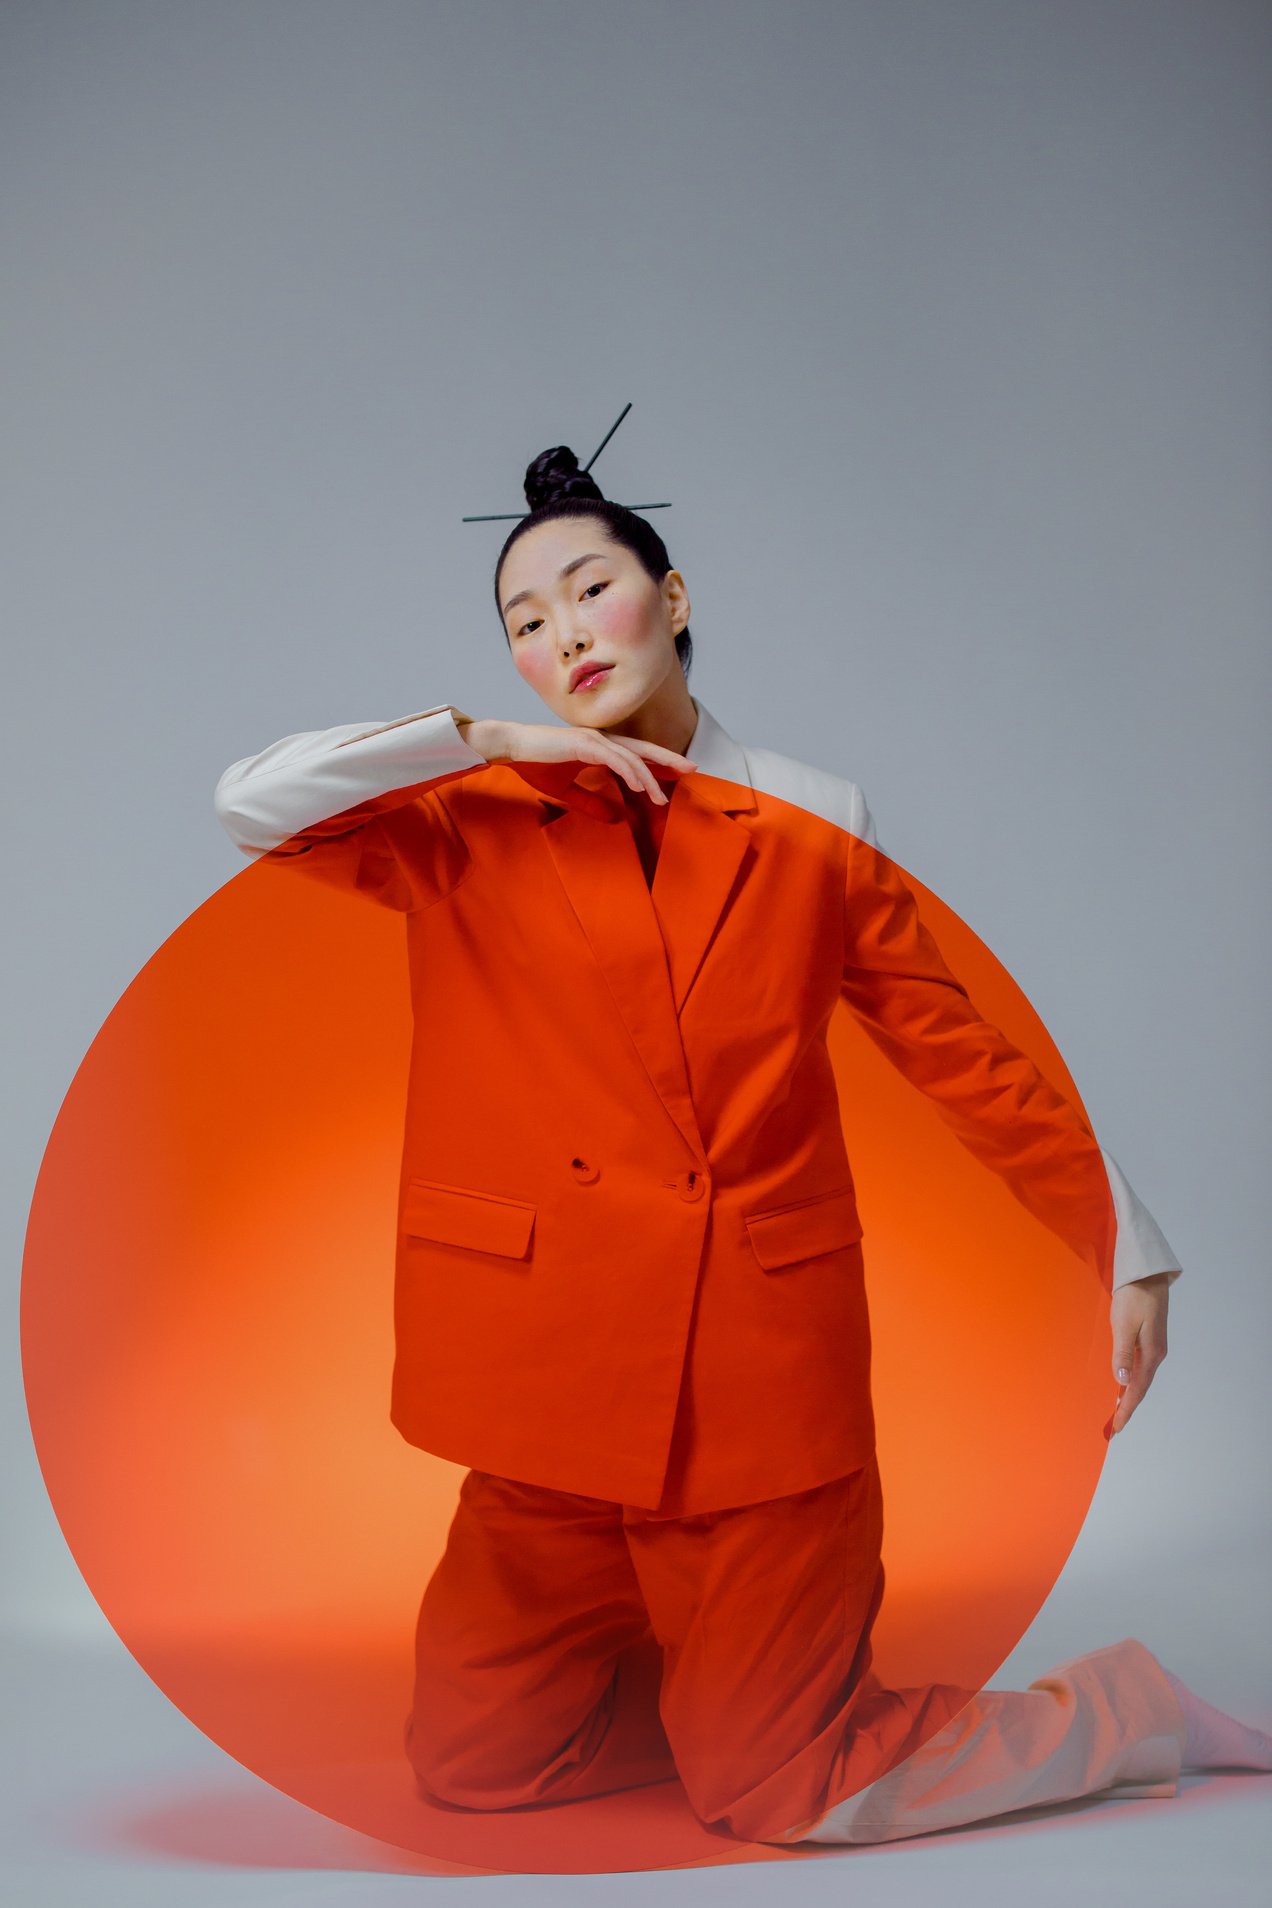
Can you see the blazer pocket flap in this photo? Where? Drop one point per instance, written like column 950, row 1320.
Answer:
column 455, row 1216
column 801, row 1232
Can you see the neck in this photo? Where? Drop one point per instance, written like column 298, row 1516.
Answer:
column 668, row 717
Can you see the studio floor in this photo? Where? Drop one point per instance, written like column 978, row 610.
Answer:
column 113, row 1795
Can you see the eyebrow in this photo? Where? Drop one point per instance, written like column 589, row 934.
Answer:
column 567, row 569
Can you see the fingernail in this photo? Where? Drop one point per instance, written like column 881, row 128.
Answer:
column 1123, row 1373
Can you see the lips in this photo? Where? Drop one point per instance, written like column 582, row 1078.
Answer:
column 586, row 673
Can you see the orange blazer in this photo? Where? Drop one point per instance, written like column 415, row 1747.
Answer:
column 628, row 1248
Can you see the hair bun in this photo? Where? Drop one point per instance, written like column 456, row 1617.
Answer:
column 555, row 474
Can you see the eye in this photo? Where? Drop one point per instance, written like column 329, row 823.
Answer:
column 536, row 620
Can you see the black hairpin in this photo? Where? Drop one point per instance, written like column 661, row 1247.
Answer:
column 508, row 516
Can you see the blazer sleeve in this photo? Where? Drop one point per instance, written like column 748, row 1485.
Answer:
column 359, row 805
column 990, row 1094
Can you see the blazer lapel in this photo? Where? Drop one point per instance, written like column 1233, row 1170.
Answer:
column 651, row 946
column 699, row 864
column 704, row 849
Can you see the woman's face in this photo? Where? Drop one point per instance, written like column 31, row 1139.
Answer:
column 572, row 597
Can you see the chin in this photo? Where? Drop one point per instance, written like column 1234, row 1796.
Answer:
column 586, row 712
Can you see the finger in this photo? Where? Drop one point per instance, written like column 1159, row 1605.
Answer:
column 591, row 748
column 1143, row 1372
column 655, row 751
column 635, row 771
column 1124, row 1353
column 1124, row 1409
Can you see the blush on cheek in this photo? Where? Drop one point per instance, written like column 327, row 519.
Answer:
column 538, row 668
column 619, row 621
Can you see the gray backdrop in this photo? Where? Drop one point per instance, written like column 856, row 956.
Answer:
column 946, row 328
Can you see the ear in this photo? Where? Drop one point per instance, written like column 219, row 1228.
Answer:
column 676, row 597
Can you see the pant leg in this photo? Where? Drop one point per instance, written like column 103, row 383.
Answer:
column 1106, row 1722
column 764, row 1613
column 536, row 1675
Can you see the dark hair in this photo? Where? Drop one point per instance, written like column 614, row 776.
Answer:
column 556, row 487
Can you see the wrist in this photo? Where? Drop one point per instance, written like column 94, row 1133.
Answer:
column 483, row 734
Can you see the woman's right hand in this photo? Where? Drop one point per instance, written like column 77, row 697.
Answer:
column 548, row 755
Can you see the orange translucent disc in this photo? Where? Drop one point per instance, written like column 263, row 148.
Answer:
column 207, row 1337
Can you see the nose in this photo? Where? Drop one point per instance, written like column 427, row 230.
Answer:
column 571, row 652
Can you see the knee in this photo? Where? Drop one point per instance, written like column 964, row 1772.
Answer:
column 474, row 1769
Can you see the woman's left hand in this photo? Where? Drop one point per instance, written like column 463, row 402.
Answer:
column 1138, row 1316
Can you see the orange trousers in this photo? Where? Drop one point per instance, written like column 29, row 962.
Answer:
column 567, row 1646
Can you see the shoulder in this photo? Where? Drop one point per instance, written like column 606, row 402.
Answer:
column 814, row 790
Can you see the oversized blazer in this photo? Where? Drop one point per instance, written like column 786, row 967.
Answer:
column 629, row 1258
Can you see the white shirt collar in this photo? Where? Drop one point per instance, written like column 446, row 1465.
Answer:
column 714, row 750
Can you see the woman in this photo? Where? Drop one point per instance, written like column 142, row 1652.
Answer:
column 630, row 1292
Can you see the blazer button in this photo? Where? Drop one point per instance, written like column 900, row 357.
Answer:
column 584, row 1171
column 693, row 1184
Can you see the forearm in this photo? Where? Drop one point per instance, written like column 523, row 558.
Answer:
column 316, row 783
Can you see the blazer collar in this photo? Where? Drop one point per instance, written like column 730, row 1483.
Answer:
column 723, row 779
column 718, row 755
